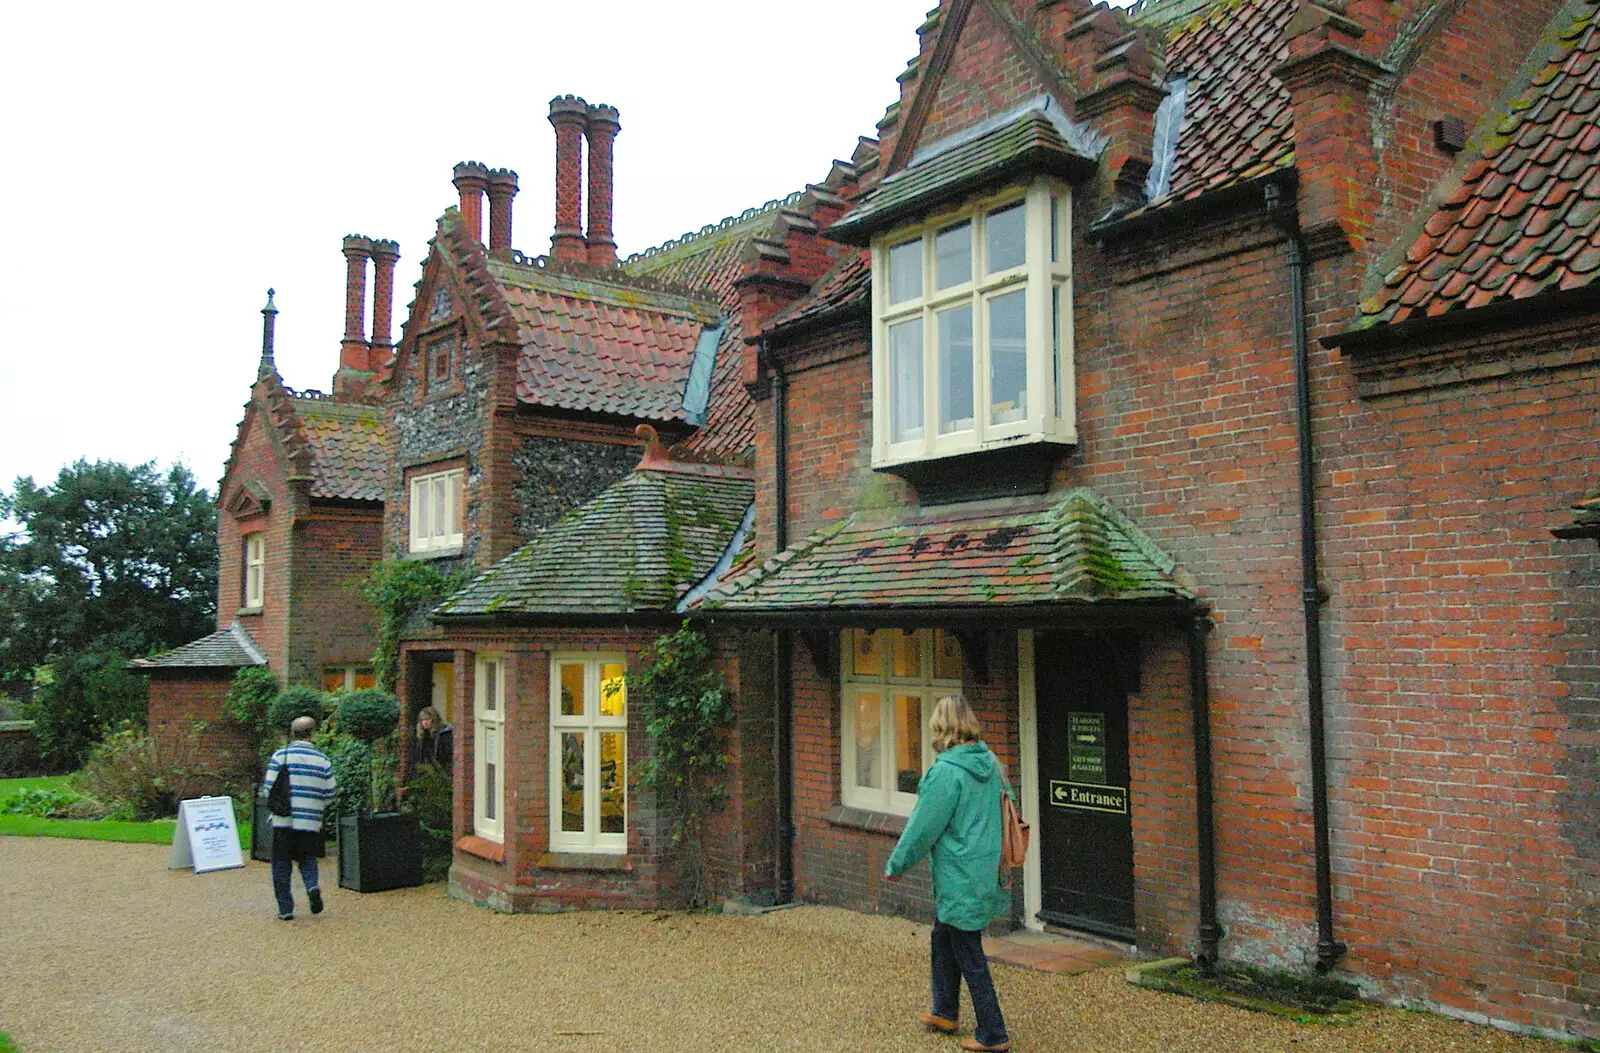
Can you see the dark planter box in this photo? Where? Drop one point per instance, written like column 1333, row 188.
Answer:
column 380, row 852
column 261, row 834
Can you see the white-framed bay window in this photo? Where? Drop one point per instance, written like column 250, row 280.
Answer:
column 588, row 753
column 255, row 570
column 488, row 747
column 437, row 511
column 889, row 682
column 972, row 327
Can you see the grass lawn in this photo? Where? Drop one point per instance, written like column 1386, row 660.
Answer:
column 157, row 832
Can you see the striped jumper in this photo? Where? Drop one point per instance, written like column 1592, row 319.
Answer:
column 311, row 785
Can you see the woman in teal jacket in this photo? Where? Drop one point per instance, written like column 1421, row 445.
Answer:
column 957, row 822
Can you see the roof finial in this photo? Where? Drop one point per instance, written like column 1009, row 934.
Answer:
column 269, row 317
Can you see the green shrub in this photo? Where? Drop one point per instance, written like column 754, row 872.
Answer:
column 368, row 714
column 44, row 804
column 352, row 771
column 140, row 779
column 250, row 698
column 80, row 700
column 296, row 702
column 428, row 797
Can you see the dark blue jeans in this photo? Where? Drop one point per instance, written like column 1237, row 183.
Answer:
column 958, row 953
column 292, row 845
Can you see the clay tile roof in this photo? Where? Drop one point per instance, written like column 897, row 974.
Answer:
column 1526, row 218
column 638, row 546
column 946, row 170
column 1076, row 549
column 600, row 344
column 348, row 448
column 847, row 284
column 223, row 649
column 711, row 259
column 1237, row 122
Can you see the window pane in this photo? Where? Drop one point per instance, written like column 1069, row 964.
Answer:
column 572, row 698
column 1055, row 229
column 955, row 369
column 868, row 734
column 946, row 656
column 458, row 510
column 1008, row 358
column 1055, row 344
column 572, row 782
column 905, row 381
column 905, row 271
column 907, row 654
column 491, row 686
column 1006, row 238
column 491, row 766
column 613, row 777
column 952, row 251
column 907, row 742
column 421, row 504
column 867, row 650
column 333, row 680
column 613, row 691
column 441, row 506
column 364, row 679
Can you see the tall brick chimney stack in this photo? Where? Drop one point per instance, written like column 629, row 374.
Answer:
column 269, row 321
column 385, row 254
column 569, row 114
column 601, row 131
column 502, row 188
column 354, row 352
column 472, row 179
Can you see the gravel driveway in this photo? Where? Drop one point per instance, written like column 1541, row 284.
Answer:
column 103, row 948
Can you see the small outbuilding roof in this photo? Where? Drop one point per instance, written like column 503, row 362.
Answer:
column 226, row 648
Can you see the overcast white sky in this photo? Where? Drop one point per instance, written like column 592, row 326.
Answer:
column 167, row 162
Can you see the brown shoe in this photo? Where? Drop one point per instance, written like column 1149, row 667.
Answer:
column 938, row 1023
column 978, row 1047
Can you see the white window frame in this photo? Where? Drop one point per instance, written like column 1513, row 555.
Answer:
column 427, row 535
column 1046, row 277
column 592, row 723
column 255, row 570
column 488, row 745
column 926, row 686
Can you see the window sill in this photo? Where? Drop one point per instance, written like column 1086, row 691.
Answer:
column 583, row 861
column 1025, row 466
column 250, row 612
column 864, row 819
column 433, row 553
column 483, row 848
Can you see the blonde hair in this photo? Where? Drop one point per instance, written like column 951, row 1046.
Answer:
column 953, row 723
column 438, row 721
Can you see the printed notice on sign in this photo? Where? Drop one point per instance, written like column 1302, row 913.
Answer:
column 206, row 837
column 1088, row 798
column 1086, row 747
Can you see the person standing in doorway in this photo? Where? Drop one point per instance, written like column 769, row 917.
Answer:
column 435, row 739
column 956, row 821
column 298, row 835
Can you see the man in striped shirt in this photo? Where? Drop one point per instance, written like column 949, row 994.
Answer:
column 298, row 835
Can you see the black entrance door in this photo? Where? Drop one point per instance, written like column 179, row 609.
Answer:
column 1086, row 833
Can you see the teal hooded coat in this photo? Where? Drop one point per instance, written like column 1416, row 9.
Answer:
column 957, row 821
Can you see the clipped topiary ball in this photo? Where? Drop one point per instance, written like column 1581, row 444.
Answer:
column 297, row 702
column 368, row 714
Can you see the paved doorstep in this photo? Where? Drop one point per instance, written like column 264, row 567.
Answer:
column 1048, row 953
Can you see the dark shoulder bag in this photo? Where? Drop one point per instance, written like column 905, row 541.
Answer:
column 278, row 798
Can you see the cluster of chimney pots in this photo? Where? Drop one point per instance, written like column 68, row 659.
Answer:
column 575, row 121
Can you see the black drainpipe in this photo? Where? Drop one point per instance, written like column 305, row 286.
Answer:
column 782, row 687
column 1329, row 950
column 1211, row 932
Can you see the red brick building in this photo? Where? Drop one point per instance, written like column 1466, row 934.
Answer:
column 300, row 520
column 1201, row 404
